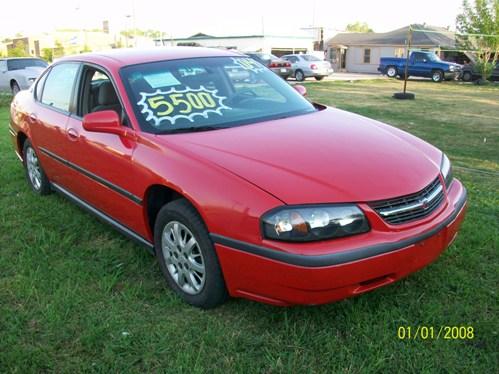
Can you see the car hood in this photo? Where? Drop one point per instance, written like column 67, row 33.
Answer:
column 33, row 71
column 326, row 156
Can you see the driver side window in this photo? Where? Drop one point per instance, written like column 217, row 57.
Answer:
column 97, row 93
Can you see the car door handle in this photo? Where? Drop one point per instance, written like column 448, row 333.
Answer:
column 72, row 134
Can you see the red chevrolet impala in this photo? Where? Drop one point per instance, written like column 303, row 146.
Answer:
column 237, row 183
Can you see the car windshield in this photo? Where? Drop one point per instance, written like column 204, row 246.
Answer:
column 24, row 63
column 310, row 58
column 208, row 93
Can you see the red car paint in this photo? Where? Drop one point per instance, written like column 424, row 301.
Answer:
column 329, row 156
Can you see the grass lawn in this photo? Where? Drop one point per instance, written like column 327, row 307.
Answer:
column 75, row 295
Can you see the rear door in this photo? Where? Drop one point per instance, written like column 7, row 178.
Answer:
column 48, row 119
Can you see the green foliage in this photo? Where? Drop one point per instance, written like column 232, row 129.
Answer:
column 58, row 51
column 481, row 17
column 18, row 50
column 48, row 54
column 138, row 32
column 359, row 27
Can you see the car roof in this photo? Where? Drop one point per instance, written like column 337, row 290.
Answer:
column 132, row 56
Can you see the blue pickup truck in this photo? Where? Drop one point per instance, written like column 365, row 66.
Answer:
column 421, row 64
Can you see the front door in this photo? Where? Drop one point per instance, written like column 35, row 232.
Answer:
column 101, row 163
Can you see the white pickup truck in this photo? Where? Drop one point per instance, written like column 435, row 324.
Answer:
column 19, row 73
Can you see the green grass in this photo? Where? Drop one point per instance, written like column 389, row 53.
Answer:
column 76, row 296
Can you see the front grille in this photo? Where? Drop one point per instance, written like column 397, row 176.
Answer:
column 411, row 207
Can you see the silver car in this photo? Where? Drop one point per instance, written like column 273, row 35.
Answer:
column 19, row 73
column 305, row 66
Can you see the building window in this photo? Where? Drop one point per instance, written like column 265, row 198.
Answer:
column 367, row 56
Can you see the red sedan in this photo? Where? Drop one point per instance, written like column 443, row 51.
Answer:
column 239, row 187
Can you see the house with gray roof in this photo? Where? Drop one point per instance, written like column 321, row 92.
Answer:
column 360, row 52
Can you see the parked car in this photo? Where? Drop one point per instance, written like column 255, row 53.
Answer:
column 19, row 73
column 421, row 64
column 305, row 66
column 238, row 189
column 470, row 73
column 279, row 66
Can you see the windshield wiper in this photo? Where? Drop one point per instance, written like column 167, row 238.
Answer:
column 193, row 129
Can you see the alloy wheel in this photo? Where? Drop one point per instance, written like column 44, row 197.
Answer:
column 183, row 257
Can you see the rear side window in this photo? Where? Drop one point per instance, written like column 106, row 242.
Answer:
column 59, row 84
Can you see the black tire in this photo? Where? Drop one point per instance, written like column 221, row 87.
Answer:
column 213, row 293
column 299, row 76
column 467, row 76
column 43, row 187
column 14, row 87
column 437, row 76
column 391, row 71
column 319, row 78
column 404, row 96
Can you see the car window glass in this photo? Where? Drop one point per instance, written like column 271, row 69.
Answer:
column 310, row 58
column 19, row 64
column 3, row 66
column 39, row 87
column 59, row 86
column 191, row 94
column 97, row 93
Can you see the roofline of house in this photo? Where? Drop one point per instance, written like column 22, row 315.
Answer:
column 386, row 45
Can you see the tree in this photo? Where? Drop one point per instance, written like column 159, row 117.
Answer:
column 482, row 20
column 48, row 54
column 359, row 27
column 18, row 50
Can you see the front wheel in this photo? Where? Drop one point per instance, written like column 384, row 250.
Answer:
column 15, row 88
column 187, row 256
column 437, row 76
column 36, row 177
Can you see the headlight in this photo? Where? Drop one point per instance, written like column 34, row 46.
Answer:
column 314, row 222
column 446, row 170
column 452, row 68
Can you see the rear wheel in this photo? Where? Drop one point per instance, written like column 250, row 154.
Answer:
column 35, row 175
column 299, row 76
column 187, row 256
column 437, row 76
column 391, row 71
column 14, row 88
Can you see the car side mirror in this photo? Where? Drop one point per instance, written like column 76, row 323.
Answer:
column 300, row 89
column 106, row 121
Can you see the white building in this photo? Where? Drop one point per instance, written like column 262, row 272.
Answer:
column 275, row 44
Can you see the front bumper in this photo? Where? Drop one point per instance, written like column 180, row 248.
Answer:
column 279, row 278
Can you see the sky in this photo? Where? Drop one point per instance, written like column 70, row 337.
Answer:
column 222, row 17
